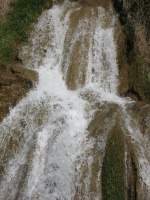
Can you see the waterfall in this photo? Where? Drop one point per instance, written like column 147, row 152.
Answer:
column 73, row 50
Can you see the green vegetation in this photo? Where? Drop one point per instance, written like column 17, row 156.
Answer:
column 113, row 170
column 14, row 29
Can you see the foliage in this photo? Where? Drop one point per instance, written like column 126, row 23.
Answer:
column 14, row 29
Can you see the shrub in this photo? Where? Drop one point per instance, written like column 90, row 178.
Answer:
column 15, row 28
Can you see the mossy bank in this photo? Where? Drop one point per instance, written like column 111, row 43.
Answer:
column 16, row 26
column 113, row 171
column 17, row 17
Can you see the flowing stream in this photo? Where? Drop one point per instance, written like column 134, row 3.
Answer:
column 46, row 146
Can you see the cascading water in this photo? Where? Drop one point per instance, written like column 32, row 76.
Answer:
column 74, row 53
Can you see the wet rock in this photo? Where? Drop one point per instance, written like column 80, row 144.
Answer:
column 135, row 20
column 120, row 38
column 139, row 149
column 95, row 2
column 104, row 119
column 131, row 171
column 141, row 112
column 89, row 179
column 15, row 81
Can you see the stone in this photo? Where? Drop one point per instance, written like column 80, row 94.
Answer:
column 15, row 82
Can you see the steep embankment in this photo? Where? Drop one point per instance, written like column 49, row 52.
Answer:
column 134, row 64
column 16, row 19
column 135, row 20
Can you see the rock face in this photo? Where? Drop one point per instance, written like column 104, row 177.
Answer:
column 15, row 81
column 140, row 113
column 135, row 21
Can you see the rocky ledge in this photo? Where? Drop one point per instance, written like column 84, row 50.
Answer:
column 15, row 81
column 134, row 58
